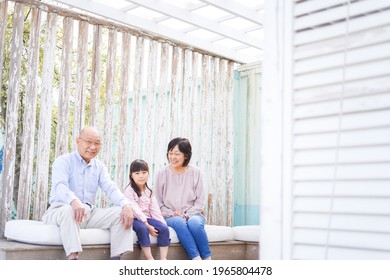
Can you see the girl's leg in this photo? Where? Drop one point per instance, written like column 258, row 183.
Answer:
column 143, row 238
column 147, row 252
column 163, row 253
column 163, row 240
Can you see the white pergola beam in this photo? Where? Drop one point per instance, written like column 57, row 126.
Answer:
column 235, row 8
column 156, row 29
column 200, row 21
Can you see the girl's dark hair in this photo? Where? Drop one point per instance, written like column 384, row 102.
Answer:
column 135, row 166
column 184, row 147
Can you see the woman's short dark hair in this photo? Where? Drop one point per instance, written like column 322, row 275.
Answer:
column 184, row 146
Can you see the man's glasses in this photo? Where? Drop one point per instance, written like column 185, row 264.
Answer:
column 90, row 143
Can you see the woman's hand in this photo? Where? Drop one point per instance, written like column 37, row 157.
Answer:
column 181, row 214
column 177, row 213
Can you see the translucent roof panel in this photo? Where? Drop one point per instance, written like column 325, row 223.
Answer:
column 211, row 12
column 232, row 28
column 176, row 24
column 145, row 13
column 185, row 4
column 119, row 4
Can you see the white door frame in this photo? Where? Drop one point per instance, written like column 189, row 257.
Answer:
column 276, row 156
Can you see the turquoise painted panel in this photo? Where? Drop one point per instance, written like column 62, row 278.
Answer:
column 246, row 215
column 247, row 147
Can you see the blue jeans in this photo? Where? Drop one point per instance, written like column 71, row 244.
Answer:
column 192, row 235
column 143, row 232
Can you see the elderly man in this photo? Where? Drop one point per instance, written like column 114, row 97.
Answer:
column 76, row 178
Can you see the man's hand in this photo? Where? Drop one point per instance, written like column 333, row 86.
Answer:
column 127, row 216
column 79, row 211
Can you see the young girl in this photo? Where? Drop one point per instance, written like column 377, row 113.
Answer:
column 147, row 214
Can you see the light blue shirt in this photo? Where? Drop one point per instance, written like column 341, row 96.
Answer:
column 73, row 178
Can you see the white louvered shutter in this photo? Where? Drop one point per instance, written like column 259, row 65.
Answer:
column 341, row 130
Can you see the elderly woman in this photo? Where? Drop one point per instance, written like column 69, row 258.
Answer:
column 180, row 193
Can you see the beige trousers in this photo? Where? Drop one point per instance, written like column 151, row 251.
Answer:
column 61, row 214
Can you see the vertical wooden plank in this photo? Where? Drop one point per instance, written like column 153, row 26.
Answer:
column 205, row 140
column 212, row 125
column 181, row 69
column 29, row 119
column 203, row 112
column 3, row 27
column 162, row 128
column 108, row 105
column 226, row 95
column 62, row 136
column 45, row 118
column 194, row 121
column 11, row 122
column 219, row 105
column 109, row 97
column 148, row 143
column 121, row 173
column 185, row 99
column 138, row 73
column 95, row 76
column 82, row 66
column 202, row 122
column 230, row 145
column 224, row 144
column 174, row 108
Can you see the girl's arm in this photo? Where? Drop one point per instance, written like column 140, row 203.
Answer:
column 155, row 211
column 132, row 197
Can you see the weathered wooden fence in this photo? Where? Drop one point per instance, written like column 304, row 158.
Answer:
column 60, row 71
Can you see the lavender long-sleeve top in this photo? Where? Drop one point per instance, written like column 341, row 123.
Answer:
column 145, row 206
column 180, row 192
